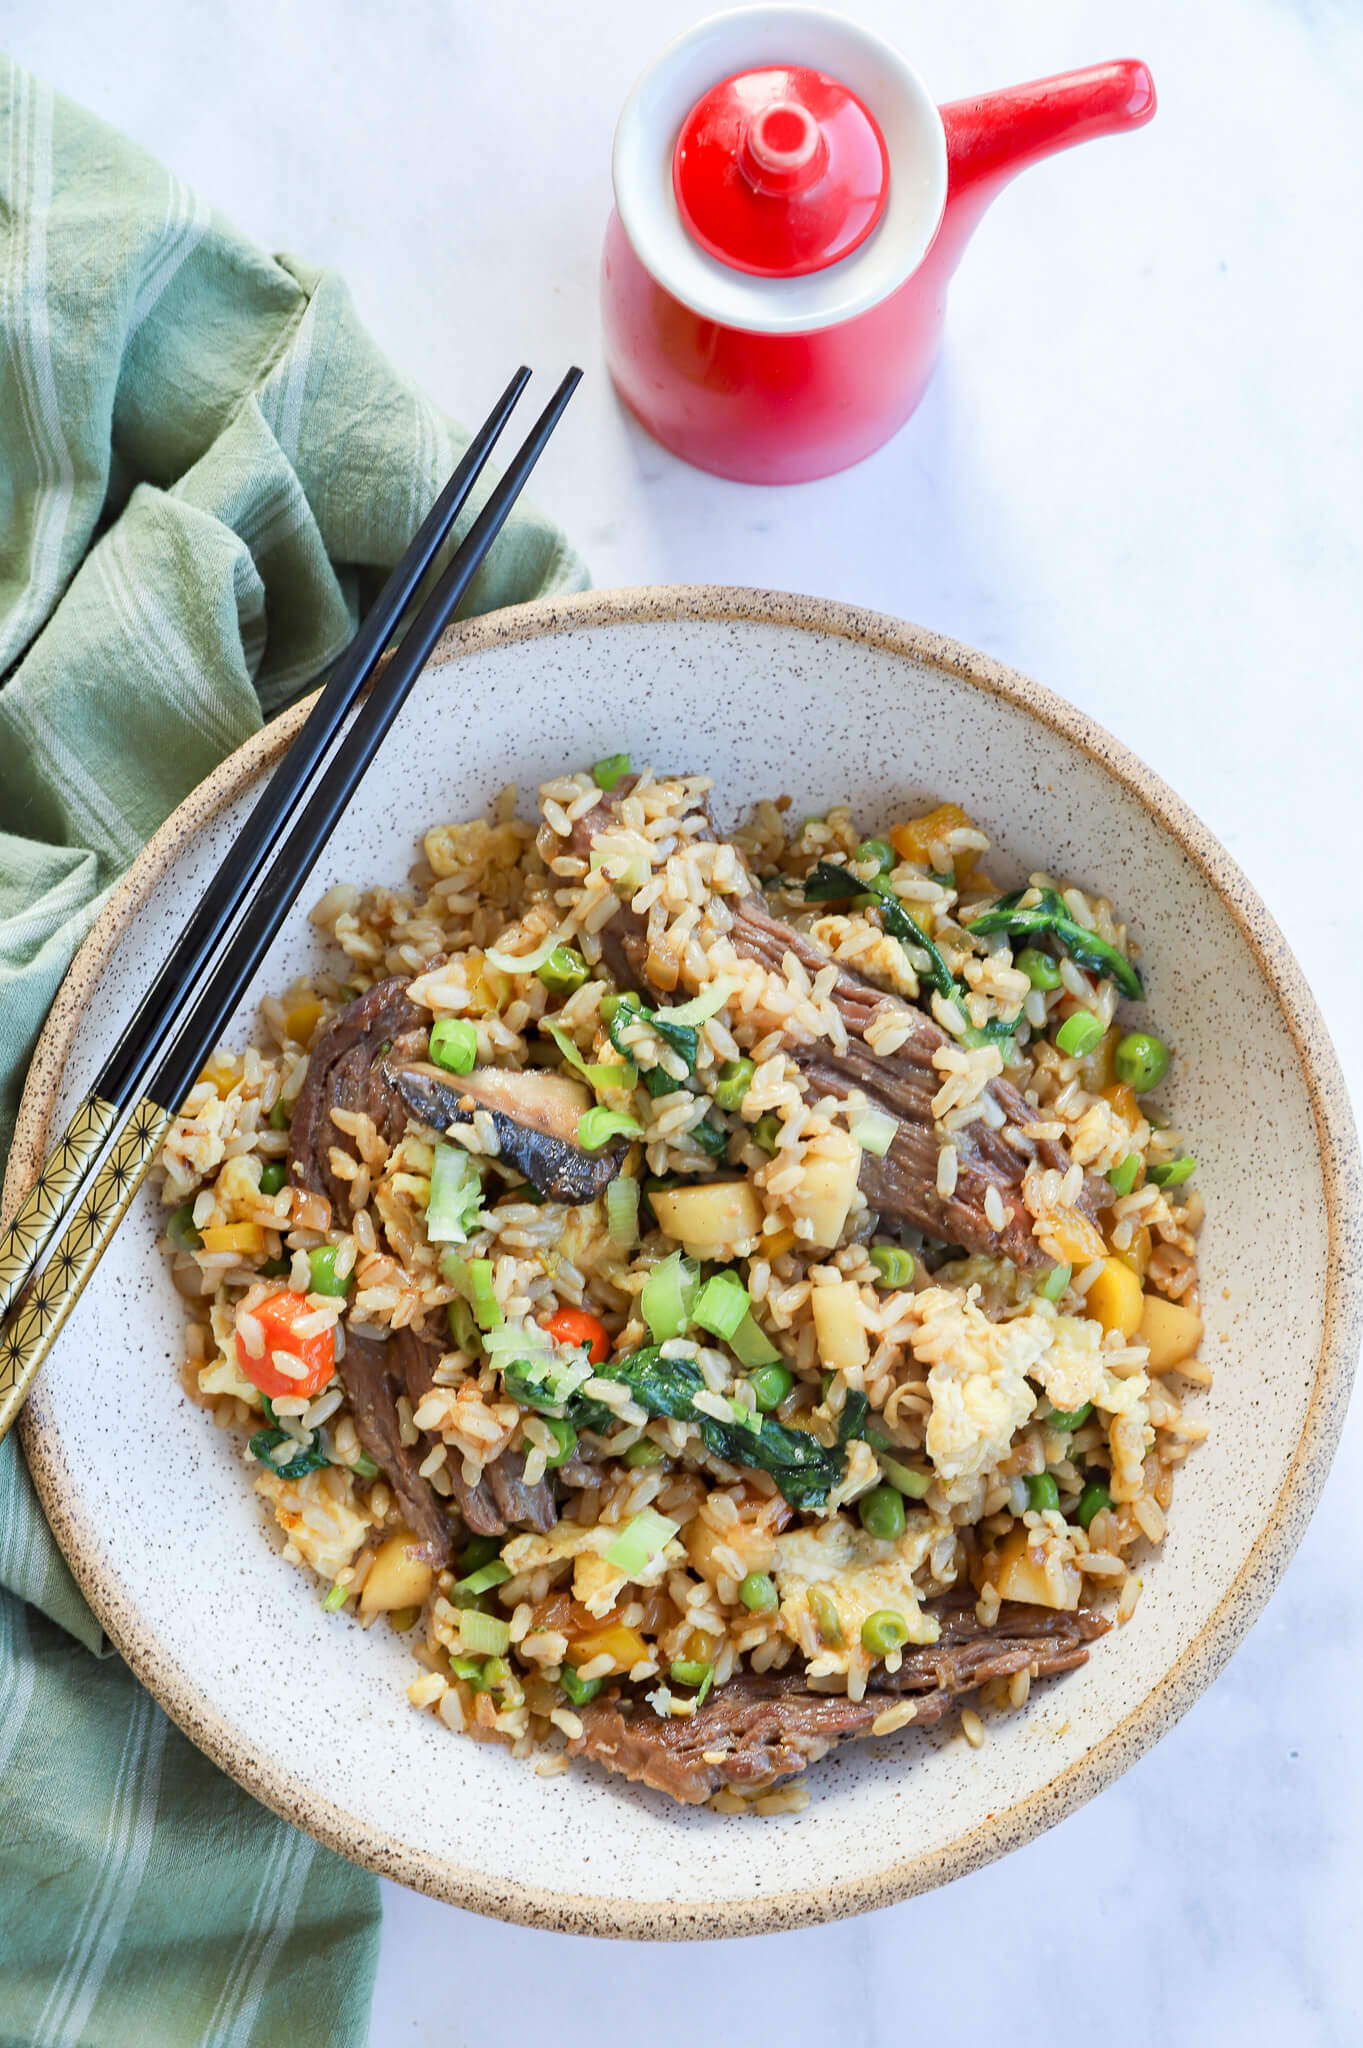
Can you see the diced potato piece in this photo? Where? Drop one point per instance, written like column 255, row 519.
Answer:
column 1172, row 1332
column 624, row 1646
column 398, row 1577
column 1024, row 1574
column 824, row 1196
column 1115, row 1298
column 752, row 1543
column 246, row 1238
column 838, row 1326
column 711, row 1221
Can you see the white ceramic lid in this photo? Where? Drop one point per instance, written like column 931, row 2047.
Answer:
column 652, row 119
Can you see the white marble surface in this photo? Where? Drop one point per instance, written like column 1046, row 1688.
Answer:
column 1136, row 477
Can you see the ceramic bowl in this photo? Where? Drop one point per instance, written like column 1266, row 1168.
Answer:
column 153, row 1506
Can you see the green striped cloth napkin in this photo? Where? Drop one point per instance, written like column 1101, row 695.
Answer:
column 206, row 467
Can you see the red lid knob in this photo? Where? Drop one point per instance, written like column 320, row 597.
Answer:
column 780, row 172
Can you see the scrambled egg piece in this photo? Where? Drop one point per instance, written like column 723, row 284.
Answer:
column 858, row 1574
column 329, row 1553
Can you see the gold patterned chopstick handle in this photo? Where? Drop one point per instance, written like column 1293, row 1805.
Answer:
column 28, row 1331
column 39, row 1219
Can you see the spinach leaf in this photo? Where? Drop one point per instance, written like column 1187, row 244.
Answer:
column 683, row 1038
column 659, row 1082
column 826, row 883
column 710, row 1139
column 266, row 1440
column 803, row 1469
column 1050, row 919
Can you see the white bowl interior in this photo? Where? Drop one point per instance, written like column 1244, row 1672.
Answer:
column 160, row 1510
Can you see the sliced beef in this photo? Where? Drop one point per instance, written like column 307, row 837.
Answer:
column 374, row 1374
column 535, row 1116
column 346, row 1070
column 902, row 1186
column 759, row 1729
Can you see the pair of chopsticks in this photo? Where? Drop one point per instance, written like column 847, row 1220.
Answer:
column 138, row 1092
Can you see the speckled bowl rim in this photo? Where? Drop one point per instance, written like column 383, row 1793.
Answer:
column 289, row 1795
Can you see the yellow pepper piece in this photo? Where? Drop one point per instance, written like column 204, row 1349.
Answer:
column 222, row 1072
column 1075, row 1237
column 1115, row 1298
column 914, row 840
column 624, row 1646
column 302, row 1018
column 247, row 1238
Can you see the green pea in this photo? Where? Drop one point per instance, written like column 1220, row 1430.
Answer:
column 735, row 1079
column 1094, row 1497
column 609, row 1005
column 645, row 1452
column 563, row 971
column 1122, row 1177
column 766, row 1131
column 770, row 1384
column 323, row 1277
column 1141, row 1060
column 273, row 1177
column 1079, row 1033
column 454, row 1045
column 609, row 771
column 181, row 1232
column 579, row 1690
column 1038, row 967
column 1173, row 1172
column 686, row 1671
column 1042, row 1491
column 565, row 1441
column 894, row 1265
column 1055, row 1282
column 884, row 1631
column 878, row 850
column 758, row 1592
column 280, row 1116
column 1068, row 1418
column 882, row 1513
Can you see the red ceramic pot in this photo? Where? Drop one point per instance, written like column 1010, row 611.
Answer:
column 790, row 207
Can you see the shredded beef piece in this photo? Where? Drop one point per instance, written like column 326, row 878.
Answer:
column 758, row 1729
column 346, row 1070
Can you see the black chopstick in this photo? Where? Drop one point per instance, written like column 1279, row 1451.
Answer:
column 123, row 1078
column 28, row 1332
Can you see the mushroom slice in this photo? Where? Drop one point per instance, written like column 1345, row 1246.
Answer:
column 535, row 1116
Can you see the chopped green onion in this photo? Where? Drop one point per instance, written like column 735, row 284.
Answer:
column 493, row 1573
column 770, row 1384
column 641, row 1540
column 273, row 1177
column 579, row 1690
column 874, row 1131
column 322, row 1271
column 766, row 1133
column 878, row 850
column 473, row 1278
column 883, row 1631
column 706, row 1004
column 622, row 1210
column 626, row 872
column 751, row 1345
column 280, row 1116
column 826, row 1617
column 735, row 1079
column 483, row 1635
column 565, row 1441
column 721, row 1305
column 894, row 1265
column 604, row 1075
column 180, row 1230
column 903, row 1478
column 608, row 772
column 1042, row 1492
column 563, row 971
column 463, row 1329
column 523, row 963
column 456, row 1196
column 1069, row 1418
column 758, row 1592
column 667, row 1303
column 1055, row 1282
column 364, row 1467
column 1122, row 1177
column 335, row 1598
column 454, row 1045
column 644, row 1453
column 597, row 1126
column 470, row 1669
column 1079, row 1034
column 1173, row 1172
column 1094, row 1497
